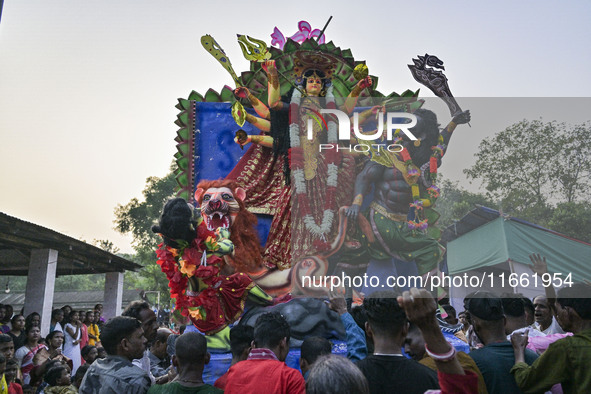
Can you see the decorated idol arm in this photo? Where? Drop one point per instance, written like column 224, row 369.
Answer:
column 351, row 100
column 460, row 118
column 264, row 140
column 261, row 109
column 274, row 88
column 259, row 123
column 363, row 117
column 368, row 176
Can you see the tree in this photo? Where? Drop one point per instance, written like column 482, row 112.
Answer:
column 512, row 164
column 533, row 164
column 539, row 172
column 456, row 202
column 137, row 218
column 106, row 245
column 572, row 167
column 572, row 219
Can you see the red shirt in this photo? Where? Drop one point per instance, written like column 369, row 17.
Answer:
column 262, row 372
column 15, row 388
column 456, row 384
column 220, row 383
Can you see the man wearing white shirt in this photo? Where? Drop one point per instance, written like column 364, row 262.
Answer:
column 544, row 314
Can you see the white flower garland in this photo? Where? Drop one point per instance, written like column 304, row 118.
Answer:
column 294, row 128
column 332, row 170
column 333, row 175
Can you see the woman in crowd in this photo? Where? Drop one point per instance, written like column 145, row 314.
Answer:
column 8, row 312
column 99, row 320
column 26, row 353
column 18, row 331
column 33, row 319
column 67, row 310
column 83, row 331
column 72, row 339
column 4, row 327
column 57, row 316
column 53, row 351
column 93, row 330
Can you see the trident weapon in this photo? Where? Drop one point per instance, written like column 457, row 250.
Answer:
column 434, row 79
column 253, row 49
column 256, row 51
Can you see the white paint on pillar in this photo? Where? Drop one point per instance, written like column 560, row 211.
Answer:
column 113, row 294
column 40, row 285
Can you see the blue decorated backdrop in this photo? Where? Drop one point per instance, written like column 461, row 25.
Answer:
column 216, row 153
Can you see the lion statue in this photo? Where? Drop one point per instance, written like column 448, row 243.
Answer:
column 206, row 255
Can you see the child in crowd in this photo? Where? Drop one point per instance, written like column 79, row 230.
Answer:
column 10, row 376
column 58, row 380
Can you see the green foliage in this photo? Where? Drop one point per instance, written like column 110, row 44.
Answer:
column 80, row 282
column 137, row 217
column 532, row 163
column 106, row 245
column 88, row 282
column 456, row 202
column 572, row 219
column 539, row 172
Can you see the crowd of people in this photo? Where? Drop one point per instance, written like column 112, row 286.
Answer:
column 55, row 364
column 396, row 343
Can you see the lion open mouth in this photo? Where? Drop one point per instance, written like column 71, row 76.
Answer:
column 216, row 220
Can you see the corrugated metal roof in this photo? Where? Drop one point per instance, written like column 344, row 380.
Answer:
column 18, row 238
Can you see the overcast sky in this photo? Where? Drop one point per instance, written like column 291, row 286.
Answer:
column 88, row 88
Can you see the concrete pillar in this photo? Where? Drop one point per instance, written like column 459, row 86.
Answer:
column 40, row 285
column 113, row 294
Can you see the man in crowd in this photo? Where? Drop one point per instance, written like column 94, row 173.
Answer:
column 530, row 311
column 312, row 348
column 6, row 346
column 516, row 322
column 241, row 337
column 356, row 341
column 189, row 359
column 141, row 311
column 420, row 308
column 496, row 358
column 544, row 316
column 335, row 374
column 265, row 371
column 123, row 339
column 568, row 360
column 414, row 346
column 387, row 370
column 544, row 305
column 159, row 361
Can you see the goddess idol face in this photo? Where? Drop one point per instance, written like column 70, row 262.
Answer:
column 314, row 83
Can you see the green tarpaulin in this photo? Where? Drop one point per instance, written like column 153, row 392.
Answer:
column 503, row 239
